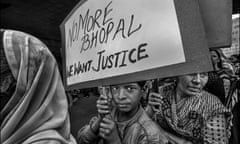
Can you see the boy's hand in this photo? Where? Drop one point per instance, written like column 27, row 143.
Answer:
column 104, row 102
column 108, row 130
column 95, row 124
column 103, row 106
column 155, row 100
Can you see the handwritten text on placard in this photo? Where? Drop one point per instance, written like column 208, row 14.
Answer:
column 113, row 38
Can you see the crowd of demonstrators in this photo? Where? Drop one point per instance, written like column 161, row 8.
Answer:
column 121, row 118
column 34, row 106
column 192, row 108
column 180, row 112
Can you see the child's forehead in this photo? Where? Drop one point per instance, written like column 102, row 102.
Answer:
column 126, row 84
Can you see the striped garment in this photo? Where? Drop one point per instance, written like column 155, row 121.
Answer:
column 189, row 118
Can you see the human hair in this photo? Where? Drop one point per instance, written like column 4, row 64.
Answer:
column 220, row 57
column 141, row 83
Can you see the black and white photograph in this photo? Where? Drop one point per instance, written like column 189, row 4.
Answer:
column 119, row 72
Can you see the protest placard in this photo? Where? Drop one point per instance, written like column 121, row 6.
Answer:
column 217, row 21
column 116, row 41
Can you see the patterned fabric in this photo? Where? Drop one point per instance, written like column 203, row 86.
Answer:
column 214, row 131
column 188, row 117
column 7, row 81
column 37, row 111
column 6, row 75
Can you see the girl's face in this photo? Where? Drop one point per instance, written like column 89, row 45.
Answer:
column 126, row 96
column 191, row 84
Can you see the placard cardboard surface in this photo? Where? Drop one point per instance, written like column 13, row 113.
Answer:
column 217, row 20
column 112, row 42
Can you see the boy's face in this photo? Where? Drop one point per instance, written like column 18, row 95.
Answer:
column 126, row 96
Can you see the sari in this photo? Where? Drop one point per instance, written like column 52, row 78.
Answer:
column 37, row 111
column 194, row 119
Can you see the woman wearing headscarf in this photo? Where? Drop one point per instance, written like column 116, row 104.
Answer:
column 188, row 114
column 220, row 77
column 34, row 106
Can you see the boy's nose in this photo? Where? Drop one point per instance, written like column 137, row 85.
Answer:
column 197, row 78
column 121, row 94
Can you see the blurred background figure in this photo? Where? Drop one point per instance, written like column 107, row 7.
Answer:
column 34, row 106
column 220, row 78
column 232, row 101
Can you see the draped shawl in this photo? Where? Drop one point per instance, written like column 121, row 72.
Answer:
column 37, row 112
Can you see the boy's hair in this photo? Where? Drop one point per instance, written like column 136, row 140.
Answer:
column 141, row 83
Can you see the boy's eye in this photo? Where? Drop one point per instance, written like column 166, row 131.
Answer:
column 114, row 88
column 129, row 88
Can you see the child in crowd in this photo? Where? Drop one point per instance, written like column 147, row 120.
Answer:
column 121, row 118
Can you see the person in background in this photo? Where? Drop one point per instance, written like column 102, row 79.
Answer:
column 220, row 78
column 34, row 106
column 233, row 100
column 187, row 113
column 215, row 84
column 121, row 119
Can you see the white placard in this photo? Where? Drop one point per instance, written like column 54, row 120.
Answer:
column 116, row 37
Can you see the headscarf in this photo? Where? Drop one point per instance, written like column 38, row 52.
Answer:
column 38, row 110
column 187, row 117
